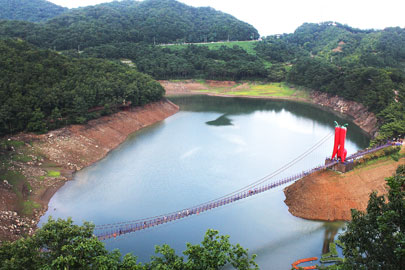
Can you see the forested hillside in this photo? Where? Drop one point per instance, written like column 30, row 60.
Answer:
column 338, row 44
column 331, row 45
column 367, row 66
column 149, row 21
column 192, row 62
column 29, row 10
column 42, row 90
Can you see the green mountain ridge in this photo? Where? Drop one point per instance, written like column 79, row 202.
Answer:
column 338, row 44
column 366, row 66
column 150, row 21
column 29, row 10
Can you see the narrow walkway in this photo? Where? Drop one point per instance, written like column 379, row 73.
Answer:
column 108, row 231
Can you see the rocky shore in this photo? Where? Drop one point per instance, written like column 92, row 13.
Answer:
column 14, row 225
column 79, row 146
column 43, row 163
column 367, row 121
column 72, row 148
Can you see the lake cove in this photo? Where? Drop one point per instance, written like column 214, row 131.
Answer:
column 212, row 147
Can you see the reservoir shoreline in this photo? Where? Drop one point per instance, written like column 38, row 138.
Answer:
column 67, row 150
column 356, row 112
column 323, row 196
column 72, row 148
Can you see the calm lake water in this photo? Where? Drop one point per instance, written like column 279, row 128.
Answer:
column 212, row 147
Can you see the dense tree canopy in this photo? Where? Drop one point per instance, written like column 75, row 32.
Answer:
column 192, row 62
column 150, row 21
column 62, row 245
column 338, row 44
column 29, row 10
column 40, row 89
column 348, row 71
column 393, row 122
column 366, row 66
column 376, row 239
column 374, row 87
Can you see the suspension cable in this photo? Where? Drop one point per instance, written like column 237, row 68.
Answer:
column 256, row 183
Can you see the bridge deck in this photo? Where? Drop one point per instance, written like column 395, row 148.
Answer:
column 108, row 231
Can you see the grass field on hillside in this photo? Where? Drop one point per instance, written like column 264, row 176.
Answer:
column 279, row 90
column 248, row 46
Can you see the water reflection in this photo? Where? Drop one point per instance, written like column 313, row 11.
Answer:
column 331, row 230
column 213, row 146
column 220, row 121
column 242, row 106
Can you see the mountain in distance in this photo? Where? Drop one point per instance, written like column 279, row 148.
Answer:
column 150, row 21
column 29, row 10
column 338, row 44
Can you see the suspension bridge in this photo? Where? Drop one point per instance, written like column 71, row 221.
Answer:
column 108, row 231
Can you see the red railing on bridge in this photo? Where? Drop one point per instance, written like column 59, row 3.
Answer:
column 108, row 231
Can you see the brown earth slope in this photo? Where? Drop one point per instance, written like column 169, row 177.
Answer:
column 79, row 146
column 330, row 196
column 64, row 150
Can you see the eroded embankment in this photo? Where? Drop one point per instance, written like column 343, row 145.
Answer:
column 79, row 146
column 324, row 195
column 330, row 196
column 366, row 120
column 64, row 150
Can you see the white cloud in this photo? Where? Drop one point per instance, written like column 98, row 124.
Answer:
column 276, row 17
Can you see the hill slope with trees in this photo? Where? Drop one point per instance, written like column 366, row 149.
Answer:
column 191, row 62
column 339, row 45
column 42, row 90
column 29, row 10
column 366, row 66
column 149, row 21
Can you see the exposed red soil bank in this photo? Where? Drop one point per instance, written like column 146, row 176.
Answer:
column 79, row 146
column 330, row 196
column 66, row 150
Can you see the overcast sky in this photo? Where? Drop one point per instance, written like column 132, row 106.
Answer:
column 284, row 16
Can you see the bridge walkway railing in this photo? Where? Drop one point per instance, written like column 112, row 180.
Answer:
column 108, row 231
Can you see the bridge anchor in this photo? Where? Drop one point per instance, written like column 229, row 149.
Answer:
column 341, row 166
